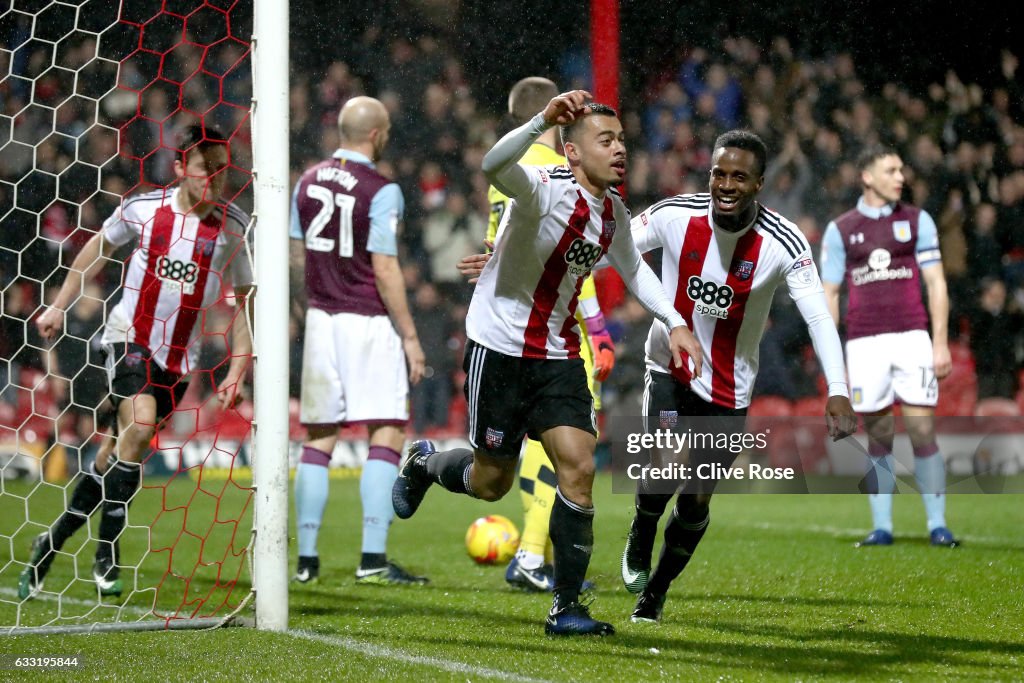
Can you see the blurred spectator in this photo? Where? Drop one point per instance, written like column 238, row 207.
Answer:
column 786, row 179
column 700, row 77
column 450, row 233
column 430, row 398
column 996, row 337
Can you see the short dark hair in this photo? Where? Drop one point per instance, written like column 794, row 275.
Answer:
column 568, row 131
column 873, row 153
column 529, row 96
column 199, row 137
column 746, row 140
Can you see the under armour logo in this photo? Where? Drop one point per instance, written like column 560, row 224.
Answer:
column 693, row 255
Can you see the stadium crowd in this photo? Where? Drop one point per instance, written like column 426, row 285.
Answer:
column 962, row 143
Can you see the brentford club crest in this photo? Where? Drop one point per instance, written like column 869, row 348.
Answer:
column 743, row 270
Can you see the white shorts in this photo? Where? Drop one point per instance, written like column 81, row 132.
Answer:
column 886, row 367
column 353, row 370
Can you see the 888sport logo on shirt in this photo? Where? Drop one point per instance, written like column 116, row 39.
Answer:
column 180, row 275
column 709, row 298
column 581, row 256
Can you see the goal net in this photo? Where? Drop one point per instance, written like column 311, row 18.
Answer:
column 92, row 95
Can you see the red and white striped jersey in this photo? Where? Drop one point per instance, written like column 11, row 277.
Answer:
column 723, row 284
column 181, row 266
column 550, row 239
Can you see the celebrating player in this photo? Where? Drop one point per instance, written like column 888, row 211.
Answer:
column 191, row 247
column 883, row 249
column 537, row 480
column 359, row 335
column 524, row 373
column 724, row 257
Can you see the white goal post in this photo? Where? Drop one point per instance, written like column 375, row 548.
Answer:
column 270, row 428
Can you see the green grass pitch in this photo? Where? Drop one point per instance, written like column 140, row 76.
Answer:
column 775, row 592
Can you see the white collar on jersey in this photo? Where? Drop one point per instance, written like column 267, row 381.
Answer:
column 875, row 212
column 349, row 155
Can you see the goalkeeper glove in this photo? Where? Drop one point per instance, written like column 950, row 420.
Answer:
column 602, row 346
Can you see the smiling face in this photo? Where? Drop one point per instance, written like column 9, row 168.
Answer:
column 597, row 153
column 736, row 178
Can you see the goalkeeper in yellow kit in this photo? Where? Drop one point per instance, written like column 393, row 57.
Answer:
column 528, row 569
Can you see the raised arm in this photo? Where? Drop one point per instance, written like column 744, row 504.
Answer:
column 500, row 163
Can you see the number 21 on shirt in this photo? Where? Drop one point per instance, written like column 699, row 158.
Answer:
column 328, row 201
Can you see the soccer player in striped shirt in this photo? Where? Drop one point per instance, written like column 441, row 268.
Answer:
column 537, row 479
column 524, row 374
column 724, row 256
column 190, row 250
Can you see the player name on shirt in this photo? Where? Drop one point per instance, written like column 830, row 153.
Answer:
column 333, row 174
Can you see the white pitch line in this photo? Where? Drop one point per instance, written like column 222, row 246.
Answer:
column 382, row 652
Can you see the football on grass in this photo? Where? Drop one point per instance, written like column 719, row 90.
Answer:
column 492, row 540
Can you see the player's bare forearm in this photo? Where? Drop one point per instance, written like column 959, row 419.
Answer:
column 938, row 309
column 229, row 390
column 83, row 270
column 391, row 287
column 241, row 332
column 938, row 303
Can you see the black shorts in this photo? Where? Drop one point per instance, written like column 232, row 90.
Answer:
column 132, row 371
column 670, row 404
column 511, row 397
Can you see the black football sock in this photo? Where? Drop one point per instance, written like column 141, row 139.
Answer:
column 451, row 469
column 121, row 482
column 649, row 509
column 572, row 537
column 86, row 496
column 685, row 528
